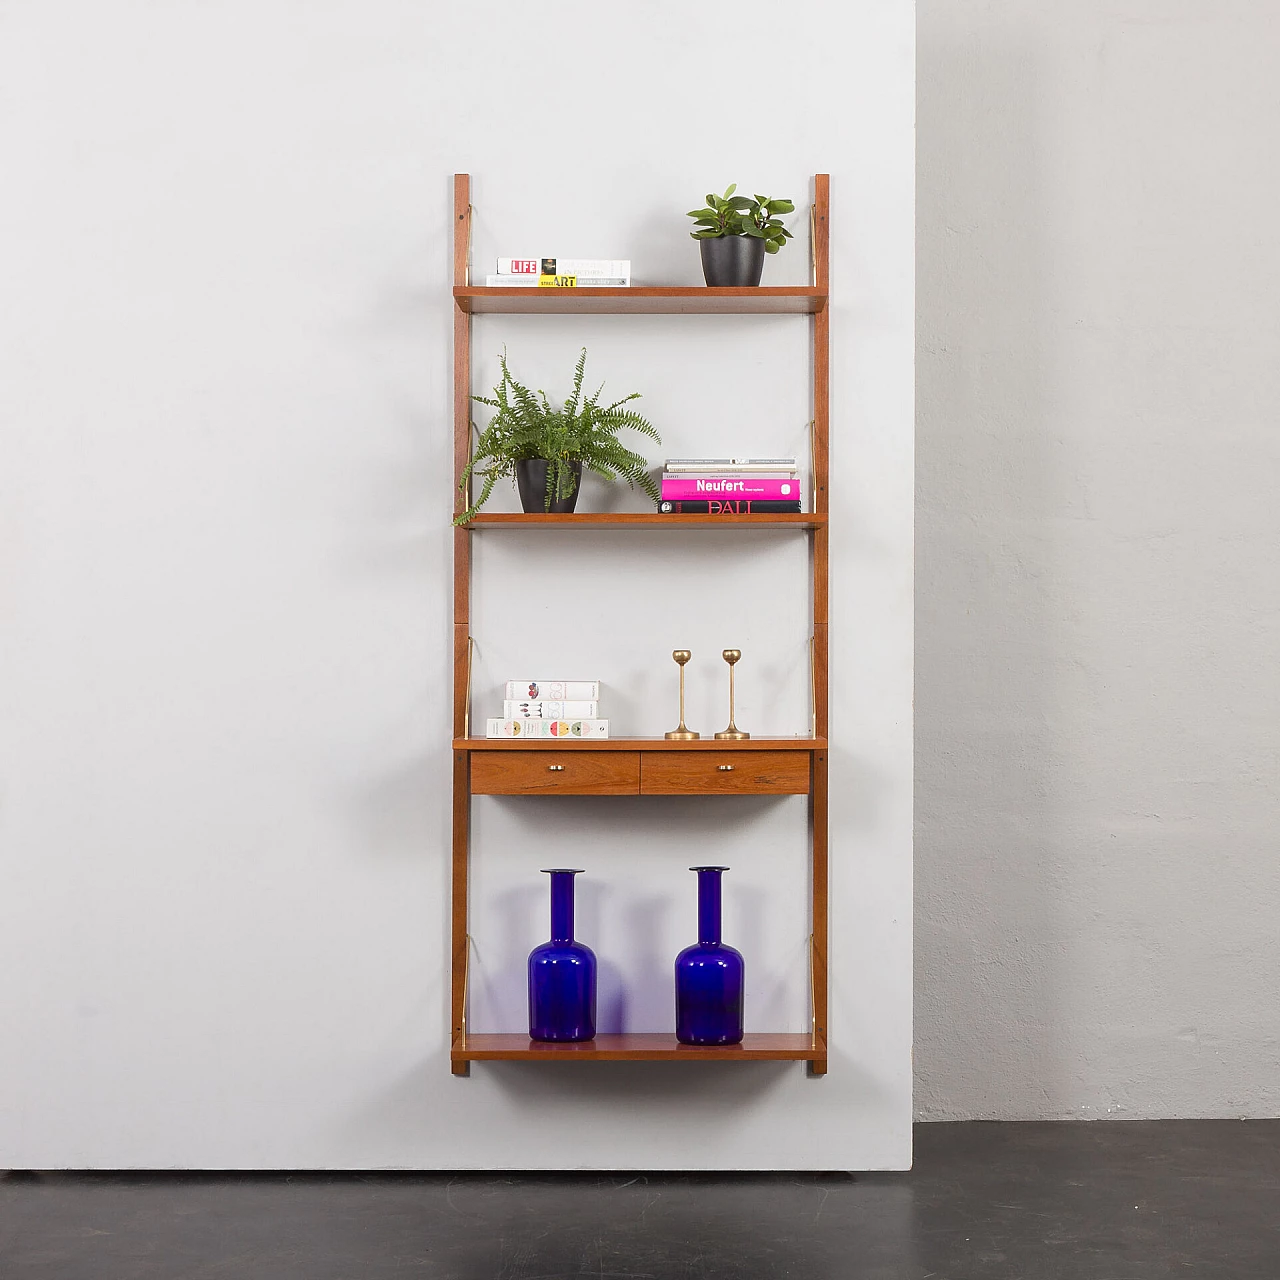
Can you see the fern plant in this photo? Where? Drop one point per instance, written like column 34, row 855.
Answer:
column 583, row 431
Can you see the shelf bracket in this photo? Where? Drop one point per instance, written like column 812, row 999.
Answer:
column 466, row 708
column 813, row 697
column 813, row 244
column 813, row 465
column 466, row 986
column 813, row 997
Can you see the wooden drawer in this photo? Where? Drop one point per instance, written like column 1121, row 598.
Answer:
column 693, row 773
column 570, row 773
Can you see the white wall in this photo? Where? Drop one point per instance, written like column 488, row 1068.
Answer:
column 226, row 429
column 1097, row 694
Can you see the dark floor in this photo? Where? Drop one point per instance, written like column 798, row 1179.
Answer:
column 1104, row 1201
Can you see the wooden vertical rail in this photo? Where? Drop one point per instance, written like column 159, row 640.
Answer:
column 821, row 448
column 819, row 957
column 459, row 951
column 461, row 618
column 821, row 600
column 461, row 451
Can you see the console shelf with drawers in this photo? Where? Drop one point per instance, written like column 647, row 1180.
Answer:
column 640, row 766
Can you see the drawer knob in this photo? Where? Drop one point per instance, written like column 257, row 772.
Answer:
column 725, row 768
column 555, row 768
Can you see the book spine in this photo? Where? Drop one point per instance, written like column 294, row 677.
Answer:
column 721, row 466
column 556, row 729
column 556, row 282
column 520, row 266
column 557, row 709
column 600, row 268
column 754, row 487
column 583, row 282
column 729, row 507
column 750, row 477
column 538, row 690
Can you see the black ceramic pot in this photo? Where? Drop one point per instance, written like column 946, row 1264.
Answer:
column 531, row 480
column 730, row 262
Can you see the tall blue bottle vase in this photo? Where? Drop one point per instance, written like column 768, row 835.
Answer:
column 709, row 975
column 562, row 972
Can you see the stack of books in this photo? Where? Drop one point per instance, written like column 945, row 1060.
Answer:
column 549, row 709
column 561, row 273
column 730, row 486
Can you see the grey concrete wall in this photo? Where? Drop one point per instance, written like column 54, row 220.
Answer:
column 1098, row 877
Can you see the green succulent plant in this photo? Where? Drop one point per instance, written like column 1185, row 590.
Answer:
column 526, row 425
column 730, row 215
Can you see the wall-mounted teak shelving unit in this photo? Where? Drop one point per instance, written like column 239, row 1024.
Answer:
column 639, row 766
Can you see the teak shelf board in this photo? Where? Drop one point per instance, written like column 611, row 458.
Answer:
column 708, row 743
column 758, row 1047
column 647, row 520
column 643, row 300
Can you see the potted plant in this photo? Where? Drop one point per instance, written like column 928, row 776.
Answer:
column 545, row 449
column 736, row 233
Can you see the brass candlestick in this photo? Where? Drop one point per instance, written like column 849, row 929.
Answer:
column 732, row 733
column 681, row 733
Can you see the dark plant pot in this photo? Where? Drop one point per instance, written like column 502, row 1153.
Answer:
column 531, row 480
column 732, row 262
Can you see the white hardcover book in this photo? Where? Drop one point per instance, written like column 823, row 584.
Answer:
column 546, row 729
column 552, row 709
column 557, row 282
column 723, row 465
column 598, row 267
column 537, row 690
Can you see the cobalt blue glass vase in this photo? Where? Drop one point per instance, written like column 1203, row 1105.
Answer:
column 709, row 976
column 562, row 973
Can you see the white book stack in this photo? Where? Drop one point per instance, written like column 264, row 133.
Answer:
column 551, row 709
column 561, row 273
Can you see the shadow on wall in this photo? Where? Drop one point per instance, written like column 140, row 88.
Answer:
column 989, row 934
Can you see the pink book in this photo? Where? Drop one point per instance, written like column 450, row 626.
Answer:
column 704, row 488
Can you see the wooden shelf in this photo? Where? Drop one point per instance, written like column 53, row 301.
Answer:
column 761, row 1047
column 708, row 743
column 641, row 300
column 647, row 520
column 641, row 766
